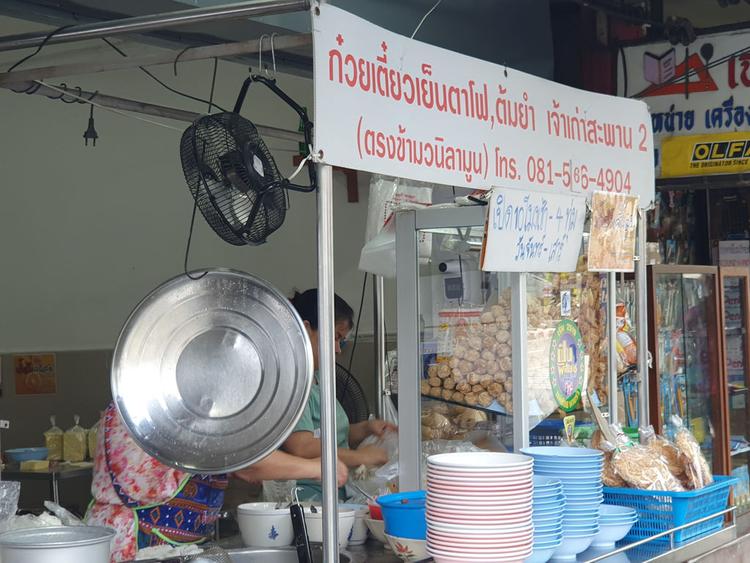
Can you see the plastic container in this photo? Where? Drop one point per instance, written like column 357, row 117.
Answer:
column 17, row 455
column 263, row 525
column 659, row 511
column 404, row 515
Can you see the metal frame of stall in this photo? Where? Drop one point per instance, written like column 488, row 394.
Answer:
column 407, row 263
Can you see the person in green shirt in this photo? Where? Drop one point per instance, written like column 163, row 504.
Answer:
column 305, row 439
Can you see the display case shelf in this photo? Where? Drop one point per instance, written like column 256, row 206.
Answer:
column 494, row 408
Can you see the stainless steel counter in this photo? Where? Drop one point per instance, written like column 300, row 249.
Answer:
column 371, row 552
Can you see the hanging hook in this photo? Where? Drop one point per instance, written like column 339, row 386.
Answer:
column 273, row 55
column 260, row 52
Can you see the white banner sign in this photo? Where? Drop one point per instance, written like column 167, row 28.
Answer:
column 391, row 105
column 533, row 232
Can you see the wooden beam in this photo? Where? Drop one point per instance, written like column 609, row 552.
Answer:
column 281, row 43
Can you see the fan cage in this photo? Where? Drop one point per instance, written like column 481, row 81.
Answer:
column 351, row 395
column 233, row 178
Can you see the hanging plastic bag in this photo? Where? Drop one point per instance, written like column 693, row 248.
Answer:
column 53, row 440
column 378, row 256
column 387, row 196
column 74, row 442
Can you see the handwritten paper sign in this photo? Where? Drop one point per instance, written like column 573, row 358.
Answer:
column 613, row 227
column 533, row 232
column 388, row 104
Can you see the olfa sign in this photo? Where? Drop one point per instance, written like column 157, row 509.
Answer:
column 698, row 155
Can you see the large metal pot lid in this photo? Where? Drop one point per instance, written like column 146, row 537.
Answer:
column 212, row 375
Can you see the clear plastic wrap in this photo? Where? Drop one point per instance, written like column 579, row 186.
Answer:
column 659, row 445
column 640, row 467
column 53, row 440
column 696, row 467
column 9, row 493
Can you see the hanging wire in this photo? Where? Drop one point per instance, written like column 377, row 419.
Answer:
column 161, row 82
column 359, row 318
column 419, row 25
column 49, row 36
column 91, row 101
column 195, row 199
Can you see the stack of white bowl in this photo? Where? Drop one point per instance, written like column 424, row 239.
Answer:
column 479, row 507
column 580, row 471
column 549, row 504
column 614, row 524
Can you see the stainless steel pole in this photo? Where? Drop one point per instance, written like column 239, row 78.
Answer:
column 380, row 336
column 612, row 337
column 519, row 322
column 409, row 353
column 153, row 22
column 136, row 106
column 327, row 363
column 641, row 284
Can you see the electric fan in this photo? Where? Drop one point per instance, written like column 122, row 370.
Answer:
column 232, row 176
column 350, row 394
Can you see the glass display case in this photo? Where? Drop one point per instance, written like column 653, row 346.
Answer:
column 687, row 375
column 493, row 358
column 735, row 294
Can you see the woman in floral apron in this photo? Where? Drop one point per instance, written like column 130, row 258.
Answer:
column 148, row 503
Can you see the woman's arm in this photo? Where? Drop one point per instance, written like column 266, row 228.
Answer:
column 305, row 444
column 282, row 466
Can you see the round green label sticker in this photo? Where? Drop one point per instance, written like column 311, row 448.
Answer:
column 566, row 365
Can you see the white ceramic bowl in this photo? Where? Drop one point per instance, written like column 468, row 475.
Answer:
column 408, row 549
column 609, row 534
column 359, row 530
column 314, row 522
column 377, row 530
column 263, row 525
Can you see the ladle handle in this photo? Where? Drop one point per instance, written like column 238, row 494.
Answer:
column 301, row 541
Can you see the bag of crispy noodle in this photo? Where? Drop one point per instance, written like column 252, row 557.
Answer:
column 696, row 467
column 640, row 467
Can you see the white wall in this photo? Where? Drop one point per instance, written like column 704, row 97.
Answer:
column 86, row 232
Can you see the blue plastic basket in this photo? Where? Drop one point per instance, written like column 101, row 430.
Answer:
column 659, row 511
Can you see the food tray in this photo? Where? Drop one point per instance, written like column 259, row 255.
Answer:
column 660, row 511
